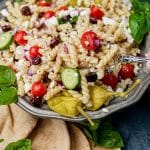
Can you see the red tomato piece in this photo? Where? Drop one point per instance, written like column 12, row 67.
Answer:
column 38, row 89
column 90, row 41
column 43, row 3
column 62, row 8
column 96, row 13
column 34, row 52
column 49, row 14
column 110, row 79
column 127, row 71
column 19, row 37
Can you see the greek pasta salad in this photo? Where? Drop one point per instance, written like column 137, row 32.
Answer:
column 65, row 52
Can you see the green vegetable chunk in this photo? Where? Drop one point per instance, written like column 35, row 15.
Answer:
column 7, row 76
column 71, row 78
column 5, row 40
column 24, row 144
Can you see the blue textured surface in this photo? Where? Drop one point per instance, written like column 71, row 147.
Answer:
column 134, row 125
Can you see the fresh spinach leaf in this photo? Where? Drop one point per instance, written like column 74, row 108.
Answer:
column 7, row 76
column 24, row 144
column 1, row 140
column 8, row 95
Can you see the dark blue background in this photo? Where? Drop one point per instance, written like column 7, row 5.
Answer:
column 134, row 124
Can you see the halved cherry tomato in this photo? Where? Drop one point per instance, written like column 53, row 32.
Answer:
column 96, row 13
column 49, row 14
column 90, row 41
column 34, row 52
column 62, row 8
column 43, row 3
column 19, row 37
column 127, row 71
column 38, row 89
column 110, row 79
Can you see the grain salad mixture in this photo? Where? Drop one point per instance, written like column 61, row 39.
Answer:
column 66, row 51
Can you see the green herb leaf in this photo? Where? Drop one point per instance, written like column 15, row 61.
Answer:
column 48, row 1
column 19, row 145
column 109, row 138
column 1, row 140
column 139, row 20
column 103, row 134
column 8, row 95
column 140, row 6
column 7, row 76
column 73, row 19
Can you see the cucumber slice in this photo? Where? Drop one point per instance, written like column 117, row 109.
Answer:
column 5, row 40
column 71, row 78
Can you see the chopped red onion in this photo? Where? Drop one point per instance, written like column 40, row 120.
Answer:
column 60, row 84
column 66, row 49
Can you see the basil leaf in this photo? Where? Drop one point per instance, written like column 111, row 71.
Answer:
column 7, row 76
column 1, row 140
column 8, row 95
column 140, row 6
column 139, row 27
column 73, row 19
column 103, row 134
column 108, row 137
column 139, row 20
column 24, row 144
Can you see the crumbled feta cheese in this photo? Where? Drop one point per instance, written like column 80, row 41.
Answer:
column 127, row 3
column 105, row 110
column 19, row 52
column 18, row 76
column 108, row 21
column 25, row 24
column 124, row 25
column 27, row 87
column 119, row 90
column 64, row 13
column 136, row 69
column 74, row 13
column 52, row 21
column 4, row 12
column 85, row 12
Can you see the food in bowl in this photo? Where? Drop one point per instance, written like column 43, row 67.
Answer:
column 65, row 53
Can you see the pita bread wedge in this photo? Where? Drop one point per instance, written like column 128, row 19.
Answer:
column 50, row 134
column 15, row 124
column 78, row 139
